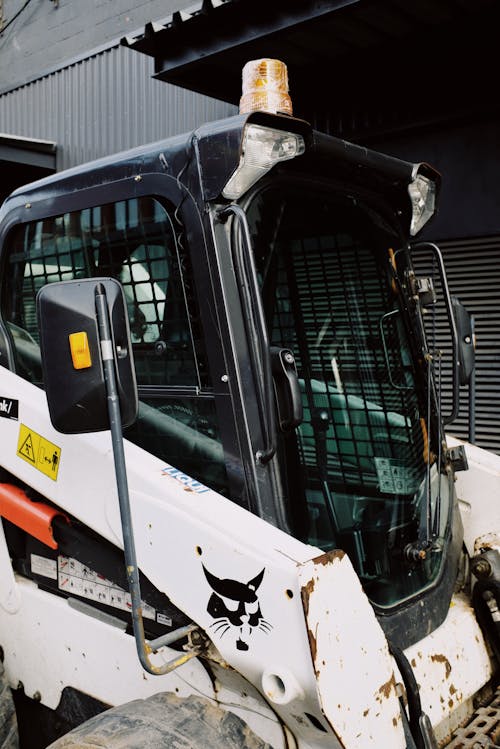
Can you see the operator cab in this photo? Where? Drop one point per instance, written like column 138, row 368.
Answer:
column 280, row 352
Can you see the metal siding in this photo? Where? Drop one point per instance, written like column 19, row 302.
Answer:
column 102, row 105
column 473, row 269
column 473, row 272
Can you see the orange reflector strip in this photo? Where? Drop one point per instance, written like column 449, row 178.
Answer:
column 392, row 260
column 33, row 517
column 80, row 351
column 425, row 436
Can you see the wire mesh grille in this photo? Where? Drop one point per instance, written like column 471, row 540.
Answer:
column 133, row 241
column 332, row 294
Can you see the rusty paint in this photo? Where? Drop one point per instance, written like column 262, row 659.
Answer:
column 413, row 662
column 329, row 557
column 450, row 703
column 452, row 689
column 309, row 587
column 306, row 592
column 394, row 722
column 442, row 659
column 387, row 688
column 366, row 712
column 313, row 645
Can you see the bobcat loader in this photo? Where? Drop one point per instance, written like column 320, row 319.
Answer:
column 230, row 514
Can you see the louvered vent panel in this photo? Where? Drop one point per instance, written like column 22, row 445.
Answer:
column 473, row 271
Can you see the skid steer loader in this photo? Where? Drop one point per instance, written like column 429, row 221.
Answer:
column 231, row 517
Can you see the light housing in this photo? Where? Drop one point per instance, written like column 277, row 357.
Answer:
column 422, row 192
column 261, row 148
column 265, row 87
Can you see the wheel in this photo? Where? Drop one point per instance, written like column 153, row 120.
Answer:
column 162, row 720
column 9, row 738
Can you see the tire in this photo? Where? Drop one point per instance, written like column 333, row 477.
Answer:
column 9, row 738
column 163, row 721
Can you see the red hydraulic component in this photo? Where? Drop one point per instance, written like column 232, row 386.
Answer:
column 33, row 517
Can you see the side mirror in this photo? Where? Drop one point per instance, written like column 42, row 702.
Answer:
column 73, row 352
column 466, row 343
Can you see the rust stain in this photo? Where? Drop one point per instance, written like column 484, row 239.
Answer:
column 452, row 689
column 386, row 688
column 366, row 712
column 450, row 703
column 329, row 557
column 394, row 722
column 413, row 662
column 306, row 592
column 444, row 660
column 313, row 646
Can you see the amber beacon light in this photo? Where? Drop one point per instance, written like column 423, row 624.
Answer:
column 265, row 87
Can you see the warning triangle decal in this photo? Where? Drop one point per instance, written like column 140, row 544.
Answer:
column 26, row 448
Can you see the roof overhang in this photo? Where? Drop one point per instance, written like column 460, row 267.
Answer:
column 30, row 152
column 204, row 48
column 392, row 60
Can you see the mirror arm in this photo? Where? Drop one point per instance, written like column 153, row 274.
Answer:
column 115, row 423
column 453, row 328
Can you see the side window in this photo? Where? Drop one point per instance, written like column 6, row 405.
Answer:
column 137, row 242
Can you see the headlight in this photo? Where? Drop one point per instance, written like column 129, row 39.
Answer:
column 422, row 192
column 262, row 148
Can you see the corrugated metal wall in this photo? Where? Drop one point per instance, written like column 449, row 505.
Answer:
column 104, row 104
column 473, row 272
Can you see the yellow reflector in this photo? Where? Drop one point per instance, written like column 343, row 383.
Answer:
column 265, row 87
column 80, row 352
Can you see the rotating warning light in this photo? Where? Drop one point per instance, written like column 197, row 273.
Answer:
column 80, row 351
column 265, row 87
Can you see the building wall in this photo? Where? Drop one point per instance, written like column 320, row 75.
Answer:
column 103, row 104
column 48, row 33
column 64, row 77
column 467, row 229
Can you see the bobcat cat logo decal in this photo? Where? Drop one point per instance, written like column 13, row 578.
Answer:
column 236, row 608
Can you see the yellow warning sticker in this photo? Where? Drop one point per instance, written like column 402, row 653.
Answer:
column 39, row 452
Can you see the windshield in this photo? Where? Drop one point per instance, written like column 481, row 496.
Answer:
column 359, row 466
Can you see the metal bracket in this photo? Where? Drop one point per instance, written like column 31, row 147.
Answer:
column 458, row 458
column 424, row 287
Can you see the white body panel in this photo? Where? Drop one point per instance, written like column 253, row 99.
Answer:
column 478, row 491
column 180, row 527
column 341, row 694
column 451, row 665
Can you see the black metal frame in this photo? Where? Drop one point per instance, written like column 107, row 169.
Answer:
column 125, row 187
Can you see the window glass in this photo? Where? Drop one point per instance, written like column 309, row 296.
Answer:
column 362, row 463
column 134, row 241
